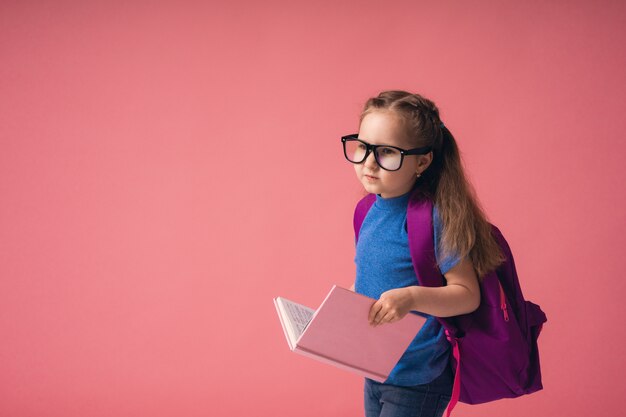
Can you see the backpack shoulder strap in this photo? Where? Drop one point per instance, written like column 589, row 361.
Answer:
column 420, row 230
column 419, row 222
column 360, row 212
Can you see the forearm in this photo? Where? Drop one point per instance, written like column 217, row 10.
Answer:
column 447, row 301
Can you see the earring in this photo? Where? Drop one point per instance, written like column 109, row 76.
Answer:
column 418, row 174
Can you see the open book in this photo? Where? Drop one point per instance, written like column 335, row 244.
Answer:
column 339, row 333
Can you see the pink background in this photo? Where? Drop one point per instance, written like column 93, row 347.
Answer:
column 166, row 169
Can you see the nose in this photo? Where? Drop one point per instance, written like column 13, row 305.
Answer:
column 370, row 162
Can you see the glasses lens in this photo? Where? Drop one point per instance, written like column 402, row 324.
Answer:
column 354, row 150
column 389, row 158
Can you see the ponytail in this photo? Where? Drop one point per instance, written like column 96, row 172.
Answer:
column 466, row 230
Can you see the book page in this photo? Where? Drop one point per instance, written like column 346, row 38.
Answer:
column 298, row 315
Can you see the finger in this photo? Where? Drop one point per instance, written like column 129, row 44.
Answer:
column 383, row 316
column 391, row 316
column 376, row 307
column 386, row 318
column 392, row 319
column 379, row 316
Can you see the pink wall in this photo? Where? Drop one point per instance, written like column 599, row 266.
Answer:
column 167, row 169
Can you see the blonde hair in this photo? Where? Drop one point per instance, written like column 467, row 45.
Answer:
column 466, row 230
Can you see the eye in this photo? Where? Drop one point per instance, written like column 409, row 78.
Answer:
column 389, row 151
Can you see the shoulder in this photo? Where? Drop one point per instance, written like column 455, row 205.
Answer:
column 361, row 211
column 436, row 218
column 365, row 201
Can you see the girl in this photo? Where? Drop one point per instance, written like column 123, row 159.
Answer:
column 403, row 148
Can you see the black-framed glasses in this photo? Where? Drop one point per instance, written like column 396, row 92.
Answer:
column 387, row 157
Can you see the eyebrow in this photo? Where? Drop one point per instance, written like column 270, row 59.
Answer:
column 382, row 144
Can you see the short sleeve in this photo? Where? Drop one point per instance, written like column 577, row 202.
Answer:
column 444, row 264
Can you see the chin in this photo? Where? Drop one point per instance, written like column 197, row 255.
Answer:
column 370, row 188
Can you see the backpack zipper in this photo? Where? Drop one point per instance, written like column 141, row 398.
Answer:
column 503, row 303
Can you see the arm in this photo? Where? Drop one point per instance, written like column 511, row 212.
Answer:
column 461, row 295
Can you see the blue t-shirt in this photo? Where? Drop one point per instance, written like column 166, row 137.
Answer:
column 383, row 262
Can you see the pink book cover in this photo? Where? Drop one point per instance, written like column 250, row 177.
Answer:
column 340, row 334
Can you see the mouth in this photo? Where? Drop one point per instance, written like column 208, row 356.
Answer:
column 371, row 177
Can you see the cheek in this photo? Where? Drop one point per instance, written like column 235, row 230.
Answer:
column 406, row 173
column 409, row 167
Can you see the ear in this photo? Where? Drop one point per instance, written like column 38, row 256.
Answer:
column 425, row 160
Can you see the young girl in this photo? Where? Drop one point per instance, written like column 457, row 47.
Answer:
column 403, row 148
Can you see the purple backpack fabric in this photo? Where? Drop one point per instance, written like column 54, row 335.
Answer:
column 495, row 352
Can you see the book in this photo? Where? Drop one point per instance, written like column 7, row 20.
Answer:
column 338, row 333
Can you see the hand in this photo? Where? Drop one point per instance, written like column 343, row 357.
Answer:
column 392, row 306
